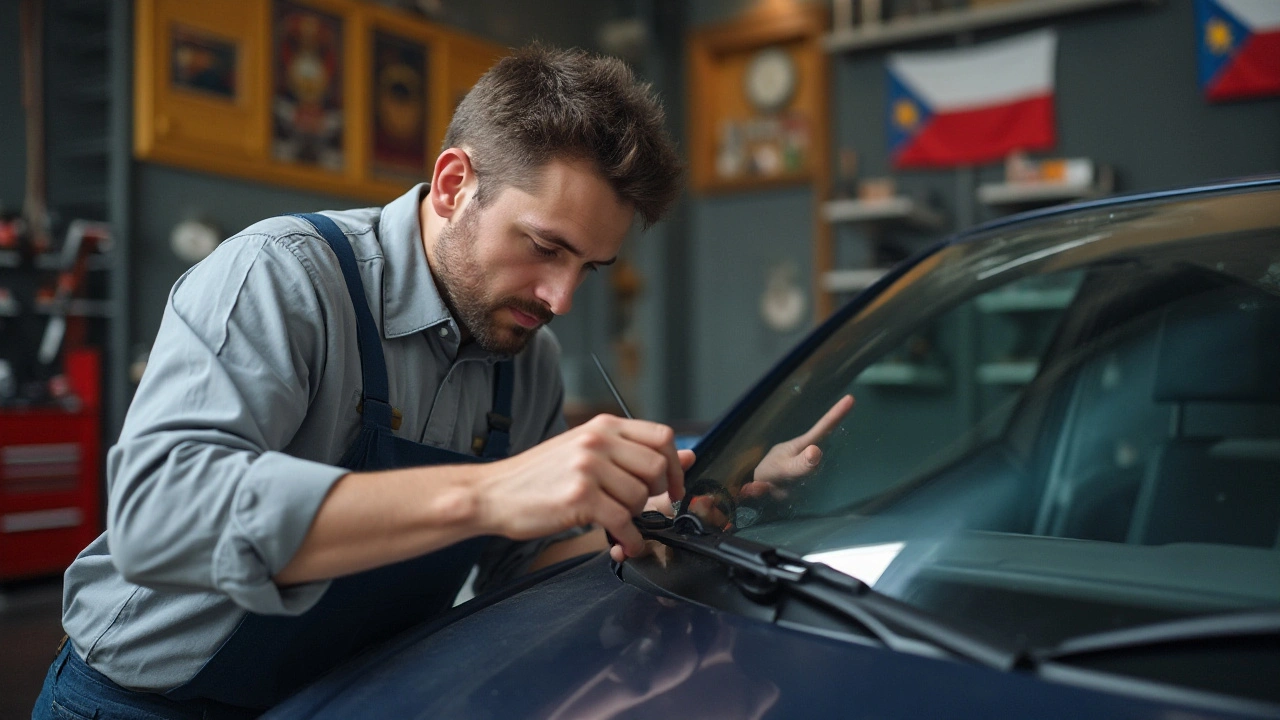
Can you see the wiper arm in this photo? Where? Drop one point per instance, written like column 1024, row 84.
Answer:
column 1212, row 627
column 762, row 571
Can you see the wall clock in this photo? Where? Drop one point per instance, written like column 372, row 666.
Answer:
column 771, row 78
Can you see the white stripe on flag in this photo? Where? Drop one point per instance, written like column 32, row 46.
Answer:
column 991, row 74
column 1256, row 14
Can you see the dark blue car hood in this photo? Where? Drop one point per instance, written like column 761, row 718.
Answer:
column 585, row 644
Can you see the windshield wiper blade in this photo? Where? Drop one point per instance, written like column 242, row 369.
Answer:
column 761, row 571
column 1183, row 630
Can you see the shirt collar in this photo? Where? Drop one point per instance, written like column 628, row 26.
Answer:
column 411, row 301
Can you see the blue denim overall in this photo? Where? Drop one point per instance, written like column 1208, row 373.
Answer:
column 268, row 657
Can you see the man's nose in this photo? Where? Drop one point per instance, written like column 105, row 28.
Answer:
column 557, row 293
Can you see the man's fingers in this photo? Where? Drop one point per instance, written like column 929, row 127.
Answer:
column 810, row 458
column 687, row 458
column 646, row 464
column 624, row 489
column 624, row 534
column 661, row 503
column 662, row 439
column 828, row 422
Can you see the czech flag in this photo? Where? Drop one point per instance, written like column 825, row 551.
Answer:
column 973, row 105
column 1239, row 48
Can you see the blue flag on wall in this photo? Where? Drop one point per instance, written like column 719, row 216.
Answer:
column 1239, row 48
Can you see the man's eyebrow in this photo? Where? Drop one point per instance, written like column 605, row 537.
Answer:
column 555, row 239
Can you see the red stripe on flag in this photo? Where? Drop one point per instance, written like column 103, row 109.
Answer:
column 982, row 135
column 1253, row 72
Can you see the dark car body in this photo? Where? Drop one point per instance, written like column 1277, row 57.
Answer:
column 1098, row 537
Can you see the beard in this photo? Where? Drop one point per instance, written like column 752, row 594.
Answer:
column 461, row 281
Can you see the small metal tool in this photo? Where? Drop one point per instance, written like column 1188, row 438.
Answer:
column 625, row 411
column 612, row 388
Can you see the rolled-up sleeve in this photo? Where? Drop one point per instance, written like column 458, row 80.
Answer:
column 199, row 495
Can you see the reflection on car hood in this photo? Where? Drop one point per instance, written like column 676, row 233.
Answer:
column 584, row 644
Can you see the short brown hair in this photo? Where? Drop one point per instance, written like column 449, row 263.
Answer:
column 540, row 104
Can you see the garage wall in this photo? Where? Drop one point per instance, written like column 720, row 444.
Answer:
column 1127, row 96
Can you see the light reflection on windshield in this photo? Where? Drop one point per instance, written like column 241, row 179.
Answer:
column 865, row 562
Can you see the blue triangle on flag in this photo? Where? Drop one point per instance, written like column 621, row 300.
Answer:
column 905, row 113
column 1218, row 36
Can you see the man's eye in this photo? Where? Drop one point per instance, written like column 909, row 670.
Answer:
column 591, row 267
column 543, row 251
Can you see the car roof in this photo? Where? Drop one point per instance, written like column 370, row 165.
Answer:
column 1038, row 215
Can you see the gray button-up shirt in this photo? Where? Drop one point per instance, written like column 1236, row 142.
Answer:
column 248, row 402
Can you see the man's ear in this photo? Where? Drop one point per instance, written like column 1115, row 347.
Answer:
column 452, row 182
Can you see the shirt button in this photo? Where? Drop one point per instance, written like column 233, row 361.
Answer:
column 444, row 331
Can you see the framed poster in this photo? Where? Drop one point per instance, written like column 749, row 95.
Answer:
column 307, row 98
column 399, row 107
column 199, row 82
column 202, row 62
column 345, row 97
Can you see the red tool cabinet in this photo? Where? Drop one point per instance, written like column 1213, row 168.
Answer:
column 48, row 489
column 50, row 462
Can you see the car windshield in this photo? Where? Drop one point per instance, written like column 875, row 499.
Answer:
column 1062, row 426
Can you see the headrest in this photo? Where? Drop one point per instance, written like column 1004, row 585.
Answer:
column 1222, row 346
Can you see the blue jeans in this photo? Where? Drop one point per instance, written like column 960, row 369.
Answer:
column 74, row 691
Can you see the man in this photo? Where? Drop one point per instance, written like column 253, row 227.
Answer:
column 299, row 475
column 345, row 412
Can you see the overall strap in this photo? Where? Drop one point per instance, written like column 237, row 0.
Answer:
column 499, row 441
column 373, row 365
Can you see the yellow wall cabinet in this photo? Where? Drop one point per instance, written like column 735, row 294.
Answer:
column 335, row 96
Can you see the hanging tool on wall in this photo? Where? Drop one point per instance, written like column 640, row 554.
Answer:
column 83, row 237
column 35, row 208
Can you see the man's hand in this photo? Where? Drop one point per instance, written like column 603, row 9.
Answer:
column 795, row 458
column 662, row 503
column 602, row 473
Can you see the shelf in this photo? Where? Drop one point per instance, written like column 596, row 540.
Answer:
column 903, row 375
column 1007, row 373
column 1029, row 193
column 947, row 22
column 1003, row 301
column 850, row 280
column 53, row 261
column 79, row 308
column 894, row 209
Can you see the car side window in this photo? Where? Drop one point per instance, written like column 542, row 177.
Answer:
column 1112, row 433
column 1173, row 428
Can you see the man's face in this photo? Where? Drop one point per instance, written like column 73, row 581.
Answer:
column 508, row 268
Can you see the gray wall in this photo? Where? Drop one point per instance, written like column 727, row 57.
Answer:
column 736, row 238
column 13, row 152
column 1127, row 95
